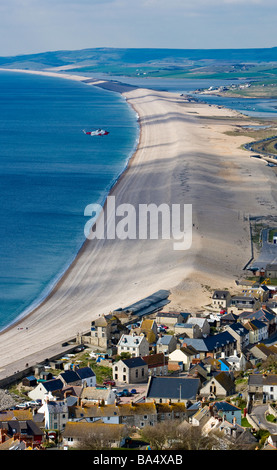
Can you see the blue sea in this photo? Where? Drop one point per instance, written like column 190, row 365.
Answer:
column 49, row 171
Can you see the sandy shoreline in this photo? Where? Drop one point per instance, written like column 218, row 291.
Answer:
column 183, row 157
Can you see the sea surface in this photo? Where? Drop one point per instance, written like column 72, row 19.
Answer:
column 49, row 172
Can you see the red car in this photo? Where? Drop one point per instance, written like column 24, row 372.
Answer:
column 109, row 382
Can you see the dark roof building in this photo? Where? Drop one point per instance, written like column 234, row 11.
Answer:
column 215, row 344
column 175, row 389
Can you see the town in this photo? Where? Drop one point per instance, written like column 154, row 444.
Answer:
column 188, row 376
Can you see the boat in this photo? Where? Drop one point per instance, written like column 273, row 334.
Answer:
column 97, row 132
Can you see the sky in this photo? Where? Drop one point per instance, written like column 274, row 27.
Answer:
column 32, row 26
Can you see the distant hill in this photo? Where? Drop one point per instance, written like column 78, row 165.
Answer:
column 154, row 62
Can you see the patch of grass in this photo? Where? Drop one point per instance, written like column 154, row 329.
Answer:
column 271, row 418
column 245, row 423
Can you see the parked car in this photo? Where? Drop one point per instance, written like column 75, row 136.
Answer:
column 133, row 391
column 109, row 382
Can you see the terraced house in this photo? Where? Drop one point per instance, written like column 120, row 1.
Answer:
column 129, row 414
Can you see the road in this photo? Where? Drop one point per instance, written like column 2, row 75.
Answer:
column 258, row 414
column 268, row 254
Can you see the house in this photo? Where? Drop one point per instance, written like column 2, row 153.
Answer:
column 133, row 344
column 228, row 319
column 45, row 388
column 262, row 351
column 258, row 331
column 219, row 386
column 170, row 318
column 173, row 389
column 271, row 271
column 190, row 330
column 239, row 303
column 201, row 416
column 87, row 376
column 183, row 357
column 98, row 395
column 224, row 365
column 231, row 433
column 77, row 434
column 227, row 411
column 213, row 345
column 157, row 364
column 106, row 331
column 272, row 441
column 134, row 370
column 221, row 299
column 202, row 323
column 70, row 377
column 149, row 329
column 166, row 344
column 22, row 430
column 237, row 362
column 200, row 371
column 240, row 333
column 55, row 414
column 260, row 292
column 129, row 414
column 263, row 314
column 262, row 387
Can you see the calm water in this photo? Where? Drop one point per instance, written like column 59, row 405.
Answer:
column 49, row 171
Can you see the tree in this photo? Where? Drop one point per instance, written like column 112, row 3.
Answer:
column 102, row 437
column 161, row 435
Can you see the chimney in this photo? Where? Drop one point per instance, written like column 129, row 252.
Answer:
column 3, row 434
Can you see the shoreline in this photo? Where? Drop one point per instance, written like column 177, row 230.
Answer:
column 104, row 275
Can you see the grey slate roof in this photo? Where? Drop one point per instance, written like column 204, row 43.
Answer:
column 70, row 376
column 53, row 385
column 173, row 387
column 134, row 362
column 239, row 329
column 262, row 315
column 85, row 372
column 165, row 339
column 211, row 342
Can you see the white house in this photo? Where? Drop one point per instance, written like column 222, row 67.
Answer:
column 135, row 345
column 43, row 389
column 55, row 413
column 183, row 357
column 258, row 331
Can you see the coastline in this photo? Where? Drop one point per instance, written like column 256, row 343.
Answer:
column 105, row 275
